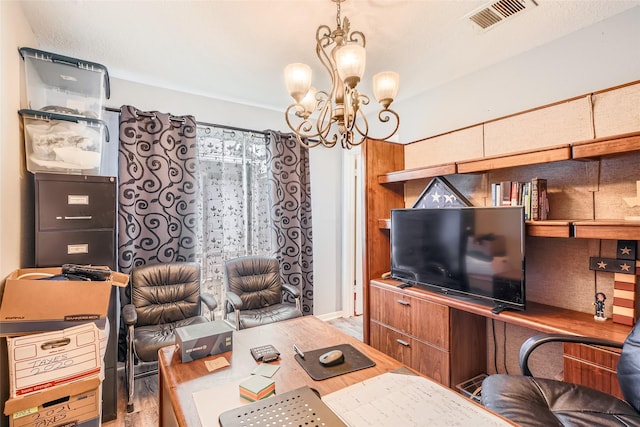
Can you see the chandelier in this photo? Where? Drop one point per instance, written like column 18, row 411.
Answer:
column 339, row 111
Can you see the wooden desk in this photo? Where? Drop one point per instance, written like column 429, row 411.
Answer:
column 178, row 381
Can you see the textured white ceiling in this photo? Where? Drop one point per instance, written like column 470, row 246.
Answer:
column 236, row 49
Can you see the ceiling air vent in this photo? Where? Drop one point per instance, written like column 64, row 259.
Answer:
column 496, row 12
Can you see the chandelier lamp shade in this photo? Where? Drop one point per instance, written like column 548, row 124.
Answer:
column 319, row 117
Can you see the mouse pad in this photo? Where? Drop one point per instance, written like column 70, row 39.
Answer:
column 354, row 360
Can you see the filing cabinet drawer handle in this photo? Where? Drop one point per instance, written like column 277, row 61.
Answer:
column 403, row 302
column 78, row 217
column 402, row 342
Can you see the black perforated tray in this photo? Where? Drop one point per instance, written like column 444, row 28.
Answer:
column 299, row 407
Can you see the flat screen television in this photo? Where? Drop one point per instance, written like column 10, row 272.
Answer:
column 473, row 252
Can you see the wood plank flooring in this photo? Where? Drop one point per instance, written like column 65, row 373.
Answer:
column 145, row 412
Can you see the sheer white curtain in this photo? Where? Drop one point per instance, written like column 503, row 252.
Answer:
column 234, row 209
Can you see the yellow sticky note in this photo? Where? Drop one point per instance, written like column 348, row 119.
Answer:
column 217, row 363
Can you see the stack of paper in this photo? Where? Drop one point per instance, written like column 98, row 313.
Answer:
column 257, row 387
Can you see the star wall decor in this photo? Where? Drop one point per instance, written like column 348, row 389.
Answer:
column 627, row 249
column 612, row 265
column 439, row 193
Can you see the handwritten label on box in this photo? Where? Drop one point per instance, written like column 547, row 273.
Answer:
column 45, row 360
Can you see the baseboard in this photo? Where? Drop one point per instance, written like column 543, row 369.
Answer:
column 330, row 316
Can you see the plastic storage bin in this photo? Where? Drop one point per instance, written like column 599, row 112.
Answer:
column 59, row 143
column 63, row 85
column 472, row 388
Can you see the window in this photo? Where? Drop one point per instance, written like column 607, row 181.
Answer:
column 234, row 214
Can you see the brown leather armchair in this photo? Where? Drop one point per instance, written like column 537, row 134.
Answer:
column 255, row 293
column 531, row 401
column 163, row 297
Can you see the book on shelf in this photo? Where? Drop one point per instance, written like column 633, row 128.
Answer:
column 539, row 200
column 531, row 195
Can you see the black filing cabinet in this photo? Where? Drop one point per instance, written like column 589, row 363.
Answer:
column 75, row 222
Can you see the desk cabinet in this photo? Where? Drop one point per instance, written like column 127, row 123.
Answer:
column 593, row 367
column 434, row 339
column 75, row 222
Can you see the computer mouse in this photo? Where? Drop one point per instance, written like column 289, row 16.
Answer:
column 331, row 358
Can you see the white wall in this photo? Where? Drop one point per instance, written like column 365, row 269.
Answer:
column 326, row 206
column 152, row 98
column 604, row 55
column 14, row 223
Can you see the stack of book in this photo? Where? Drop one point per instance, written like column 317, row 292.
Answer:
column 531, row 195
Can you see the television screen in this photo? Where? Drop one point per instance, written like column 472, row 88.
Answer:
column 470, row 251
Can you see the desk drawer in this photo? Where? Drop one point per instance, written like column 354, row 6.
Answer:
column 593, row 367
column 425, row 320
column 54, row 248
column 424, row 358
column 75, row 204
column 390, row 342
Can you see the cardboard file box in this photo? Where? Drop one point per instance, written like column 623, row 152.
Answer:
column 72, row 404
column 30, row 305
column 64, row 85
column 203, row 339
column 40, row 361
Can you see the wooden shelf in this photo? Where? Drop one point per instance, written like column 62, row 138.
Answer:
column 549, row 228
column 593, row 148
column 607, row 229
column 413, row 174
column 602, row 229
column 384, row 224
column 534, row 228
column 606, row 146
column 539, row 317
column 532, row 157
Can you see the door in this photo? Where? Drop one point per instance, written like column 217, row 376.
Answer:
column 352, row 224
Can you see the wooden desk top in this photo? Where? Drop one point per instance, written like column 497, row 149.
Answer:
column 180, row 380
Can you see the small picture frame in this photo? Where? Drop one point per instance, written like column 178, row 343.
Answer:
column 439, row 193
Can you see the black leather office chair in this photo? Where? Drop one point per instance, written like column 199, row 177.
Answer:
column 163, row 297
column 531, row 401
column 255, row 293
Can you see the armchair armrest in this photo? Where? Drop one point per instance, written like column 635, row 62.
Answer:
column 129, row 315
column 536, row 341
column 234, row 300
column 209, row 300
column 291, row 290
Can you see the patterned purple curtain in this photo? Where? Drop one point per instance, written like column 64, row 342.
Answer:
column 291, row 212
column 157, row 167
column 157, row 188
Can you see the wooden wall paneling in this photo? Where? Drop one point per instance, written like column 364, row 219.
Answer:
column 557, row 124
column 378, row 157
column 617, row 111
column 468, row 333
column 451, row 147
